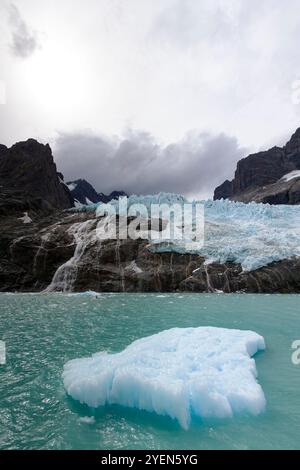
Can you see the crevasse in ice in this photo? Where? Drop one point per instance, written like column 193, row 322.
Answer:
column 253, row 235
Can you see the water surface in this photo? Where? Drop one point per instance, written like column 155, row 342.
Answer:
column 42, row 332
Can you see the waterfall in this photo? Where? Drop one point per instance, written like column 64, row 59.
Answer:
column 41, row 251
column 172, row 270
column 118, row 262
column 65, row 277
column 210, row 287
column 208, row 281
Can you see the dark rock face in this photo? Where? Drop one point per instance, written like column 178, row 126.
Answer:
column 224, row 191
column 115, row 195
column 3, row 150
column 261, row 170
column 31, row 254
column 29, row 178
column 28, row 256
column 281, row 192
column 82, row 191
column 280, row 277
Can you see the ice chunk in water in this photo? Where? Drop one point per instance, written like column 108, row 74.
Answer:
column 206, row 372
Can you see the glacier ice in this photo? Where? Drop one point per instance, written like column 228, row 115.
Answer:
column 253, row 235
column 147, row 200
column 206, row 372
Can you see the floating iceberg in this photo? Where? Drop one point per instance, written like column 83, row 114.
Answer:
column 205, row 372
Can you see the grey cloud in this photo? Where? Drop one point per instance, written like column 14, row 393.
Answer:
column 137, row 164
column 24, row 40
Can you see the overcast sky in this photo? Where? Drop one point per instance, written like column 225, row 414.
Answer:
column 150, row 95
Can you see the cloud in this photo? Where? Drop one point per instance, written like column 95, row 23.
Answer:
column 24, row 40
column 186, row 23
column 220, row 65
column 137, row 163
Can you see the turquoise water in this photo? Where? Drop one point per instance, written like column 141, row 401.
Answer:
column 42, row 332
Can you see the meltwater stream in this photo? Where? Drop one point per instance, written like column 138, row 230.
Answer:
column 43, row 332
column 65, row 276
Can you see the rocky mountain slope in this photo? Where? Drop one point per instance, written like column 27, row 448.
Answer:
column 61, row 253
column 260, row 176
column 84, row 193
column 284, row 191
column 54, row 248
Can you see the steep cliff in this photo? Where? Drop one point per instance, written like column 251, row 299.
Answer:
column 258, row 177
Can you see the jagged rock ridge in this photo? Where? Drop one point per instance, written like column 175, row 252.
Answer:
column 83, row 192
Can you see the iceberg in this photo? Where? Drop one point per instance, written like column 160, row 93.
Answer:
column 201, row 372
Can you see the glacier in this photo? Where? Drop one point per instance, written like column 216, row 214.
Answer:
column 253, row 235
column 146, row 200
column 182, row 373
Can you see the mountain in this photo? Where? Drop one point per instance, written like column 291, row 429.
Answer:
column 84, row 193
column 113, row 195
column 61, row 252
column 269, row 176
column 43, row 246
column 29, row 179
column 286, row 190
